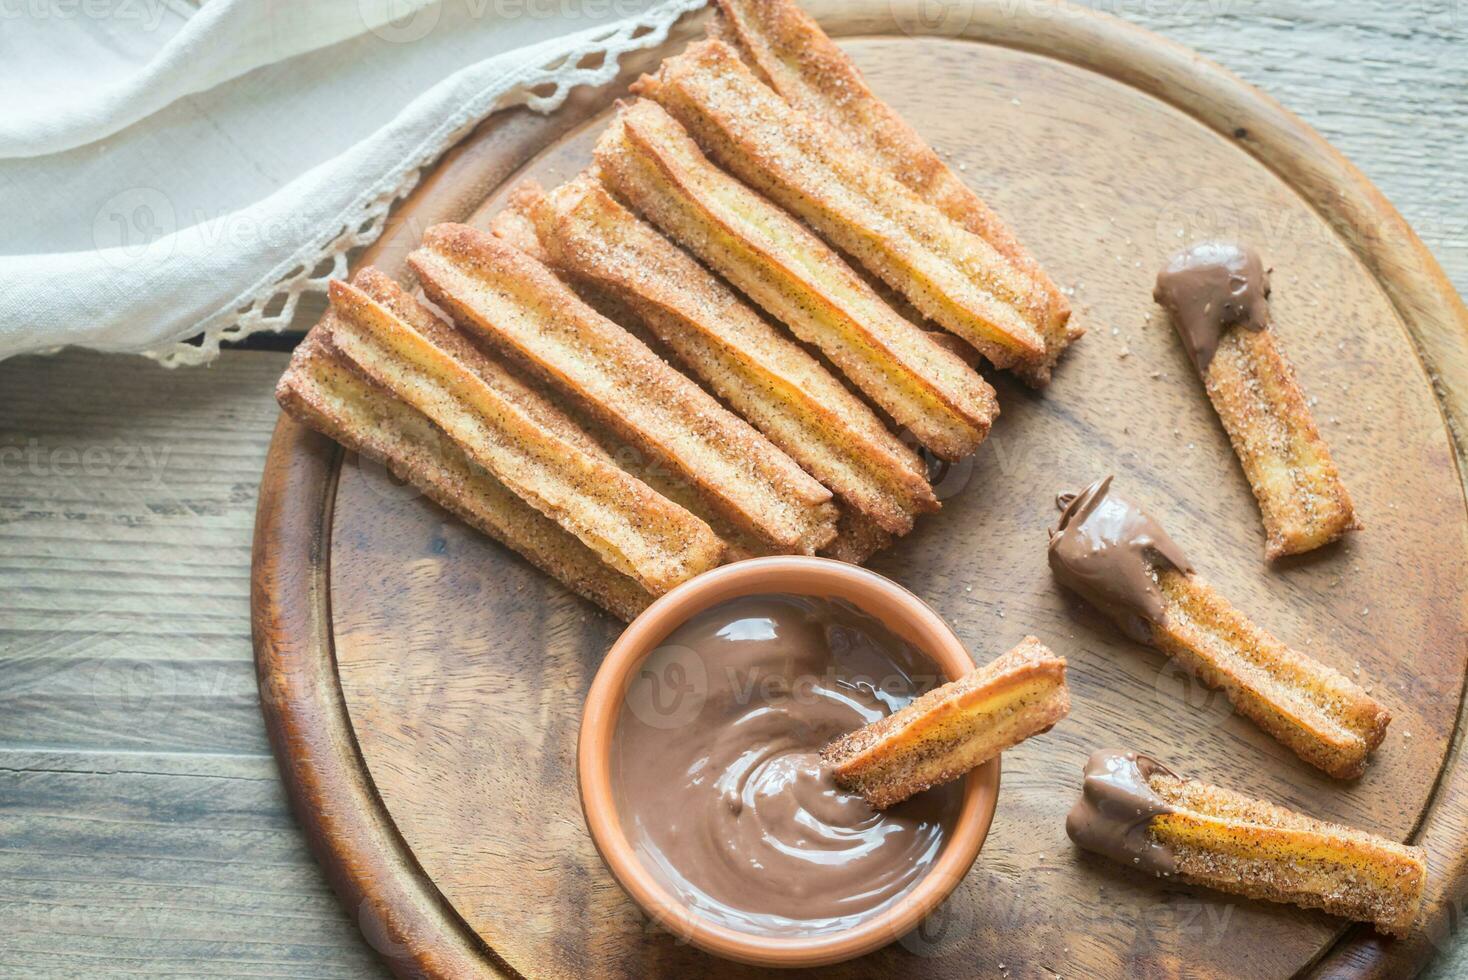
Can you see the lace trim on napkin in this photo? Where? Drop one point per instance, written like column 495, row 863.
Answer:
column 270, row 303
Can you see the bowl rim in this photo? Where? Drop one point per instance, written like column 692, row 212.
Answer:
column 900, row 610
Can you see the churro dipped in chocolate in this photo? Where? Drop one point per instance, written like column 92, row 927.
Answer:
column 1137, row 812
column 953, row 728
column 791, row 54
column 1121, row 560
column 1217, row 294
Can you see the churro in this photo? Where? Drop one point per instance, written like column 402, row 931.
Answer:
column 950, row 274
column 857, row 539
column 649, row 162
column 518, row 437
column 1217, row 295
column 953, row 728
column 790, row 53
column 515, row 224
column 323, row 391
column 516, row 303
column 1137, row 812
column 766, row 378
column 1121, row 560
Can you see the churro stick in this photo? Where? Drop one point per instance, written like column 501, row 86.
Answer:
column 1301, row 497
column 321, row 390
column 647, row 160
column 517, row 303
column 953, row 728
column 1217, row 295
column 791, row 54
column 857, row 539
column 857, row 536
column 518, row 437
column 515, row 224
column 769, row 380
column 952, row 275
column 739, row 543
column 1123, row 562
column 1136, row 811
column 1317, row 712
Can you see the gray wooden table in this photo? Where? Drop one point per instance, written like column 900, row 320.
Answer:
column 142, row 826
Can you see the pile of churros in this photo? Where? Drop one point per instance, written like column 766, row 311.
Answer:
column 684, row 356
column 670, row 361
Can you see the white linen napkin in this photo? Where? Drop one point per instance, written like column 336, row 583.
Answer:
column 213, row 165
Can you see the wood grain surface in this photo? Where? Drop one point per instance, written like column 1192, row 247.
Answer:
column 484, row 797
column 174, row 855
column 143, row 823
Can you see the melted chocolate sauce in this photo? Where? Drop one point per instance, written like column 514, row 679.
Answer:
column 1209, row 288
column 1108, row 549
column 1115, row 809
column 724, row 796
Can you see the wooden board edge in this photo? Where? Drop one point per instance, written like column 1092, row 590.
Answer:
column 1435, row 316
column 411, row 926
column 1360, row 951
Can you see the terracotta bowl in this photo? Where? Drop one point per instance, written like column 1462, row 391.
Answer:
column 900, row 611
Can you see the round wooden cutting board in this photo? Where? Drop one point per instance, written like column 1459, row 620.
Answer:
column 423, row 686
